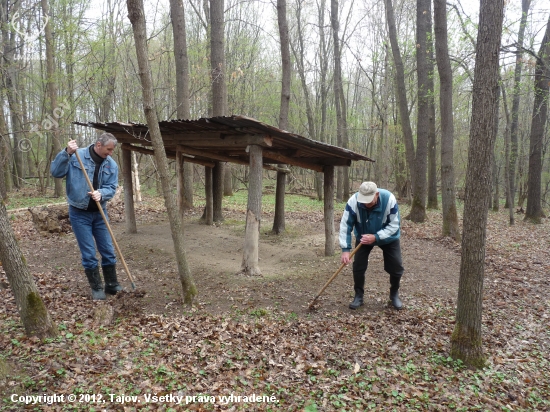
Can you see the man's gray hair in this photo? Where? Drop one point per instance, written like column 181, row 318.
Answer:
column 105, row 138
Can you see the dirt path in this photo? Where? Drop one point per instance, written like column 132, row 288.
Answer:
column 293, row 267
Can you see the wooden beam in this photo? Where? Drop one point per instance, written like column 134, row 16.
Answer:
column 270, row 154
column 223, row 158
column 328, row 199
column 210, row 155
column 227, row 142
column 144, row 150
column 129, row 212
column 179, row 186
column 253, row 214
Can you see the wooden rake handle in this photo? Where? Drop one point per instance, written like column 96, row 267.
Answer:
column 106, row 221
column 333, row 276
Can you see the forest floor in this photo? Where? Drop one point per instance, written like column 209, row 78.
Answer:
column 254, row 337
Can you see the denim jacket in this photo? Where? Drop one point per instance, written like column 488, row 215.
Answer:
column 65, row 165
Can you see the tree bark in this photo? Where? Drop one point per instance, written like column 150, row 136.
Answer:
column 52, row 91
column 466, row 340
column 342, row 182
column 525, row 4
column 137, row 19
column 432, row 141
column 507, row 157
column 279, row 218
column 10, row 77
column 329, row 210
column 34, row 314
column 419, row 186
column 250, row 265
column 448, row 193
column 177, row 14
column 219, row 93
column 401, row 90
column 533, row 211
column 129, row 212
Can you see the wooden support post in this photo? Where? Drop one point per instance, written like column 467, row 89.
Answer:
column 180, row 183
column 329, row 209
column 129, row 212
column 253, row 214
column 208, row 192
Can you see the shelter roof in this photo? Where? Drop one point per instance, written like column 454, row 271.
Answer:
column 206, row 140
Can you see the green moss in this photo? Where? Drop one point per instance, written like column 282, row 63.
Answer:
column 467, row 346
column 37, row 322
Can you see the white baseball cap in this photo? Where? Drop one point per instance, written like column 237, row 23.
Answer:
column 367, row 191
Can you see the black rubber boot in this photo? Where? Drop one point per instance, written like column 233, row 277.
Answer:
column 95, row 283
column 394, row 292
column 111, row 283
column 357, row 301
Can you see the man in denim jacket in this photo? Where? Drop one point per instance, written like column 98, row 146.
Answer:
column 86, row 219
column 372, row 214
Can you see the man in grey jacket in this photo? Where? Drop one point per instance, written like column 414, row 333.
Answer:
column 373, row 215
column 86, row 220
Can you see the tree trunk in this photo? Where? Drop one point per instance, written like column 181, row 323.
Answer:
column 466, row 340
column 177, row 14
column 250, row 265
column 448, row 193
column 401, row 90
column 533, row 212
column 507, row 158
column 10, row 70
column 34, row 315
column 279, row 218
column 129, row 212
column 419, row 187
column 137, row 19
column 329, row 210
column 52, row 91
column 219, row 92
column 525, row 4
column 342, row 182
column 432, row 142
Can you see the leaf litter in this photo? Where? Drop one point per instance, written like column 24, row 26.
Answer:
column 325, row 360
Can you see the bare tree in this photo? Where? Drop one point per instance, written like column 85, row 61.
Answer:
column 448, row 195
column 52, row 91
column 466, row 340
column 432, row 141
column 525, row 4
column 219, row 93
column 533, row 211
column 177, row 14
column 342, row 176
column 279, row 219
column 33, row 312
column 401, row 89
column 137, row 18
column 419, row 187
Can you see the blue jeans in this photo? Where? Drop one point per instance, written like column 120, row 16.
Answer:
column 88, row 226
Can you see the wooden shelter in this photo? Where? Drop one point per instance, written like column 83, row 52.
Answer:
column 235, row 139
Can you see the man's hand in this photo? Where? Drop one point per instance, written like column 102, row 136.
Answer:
column 368, row 239
column 96, row 195
column 71, row 147
column 345, row 258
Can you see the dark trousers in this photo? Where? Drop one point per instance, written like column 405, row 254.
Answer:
column 393, row 264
